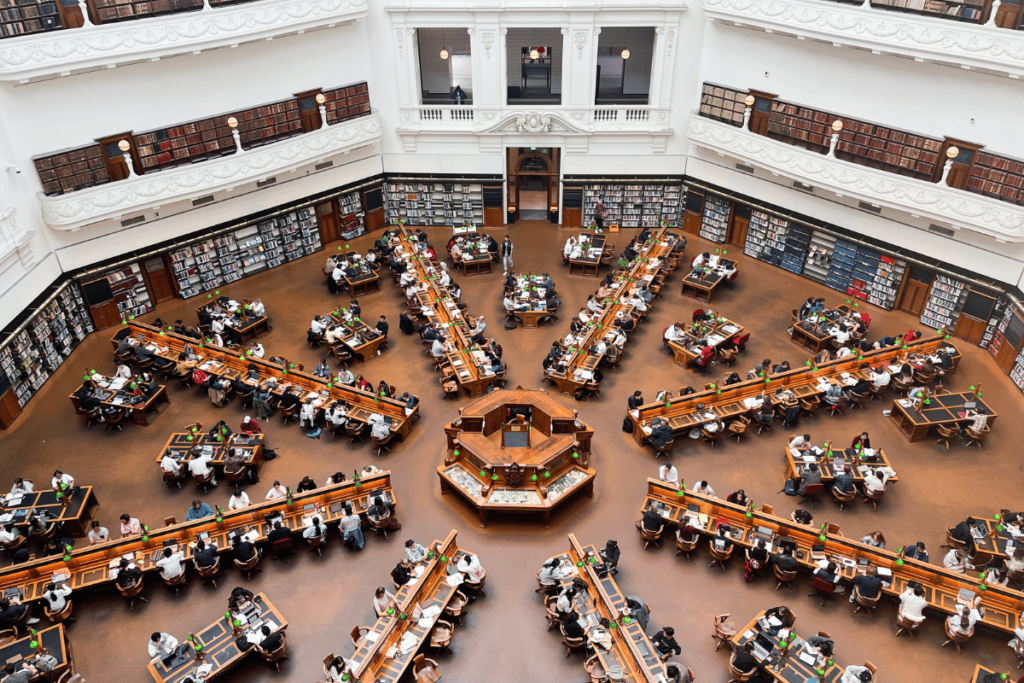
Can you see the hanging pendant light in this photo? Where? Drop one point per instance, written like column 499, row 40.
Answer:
column 625, row 53
column 534, row 54
column 444, row 53
column 444, row 41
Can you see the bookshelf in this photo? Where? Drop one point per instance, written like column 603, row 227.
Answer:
column 886, row 282
column 634, row 205
column 353, row 218
column 715, row 222
column 795, row 250
column 841, row 269
column 72, row 169
column 184, row 144
column 757, row 232
column 1017, row 373
column 774, row 241
column 999, row 177
column 21, row 17
column 129, row 290
column 723, row 104
column 269, row 123
column 944, row 300
column 347, row 102
column 958, row 10
column 434, row 203
column 992, row 338
column 612, row 195
column 818, row 263
column 40, row 345
column 631, row 212
column 110, row 11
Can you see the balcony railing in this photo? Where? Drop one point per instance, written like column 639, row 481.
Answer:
column 441, row 114
column 138, row 193
column 937, row 202
column 469, row 119
column 63, row 52
column 922, row 37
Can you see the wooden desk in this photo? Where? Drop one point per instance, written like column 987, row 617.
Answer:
column 89, row 566
column 218, row 645
column 370, row 660
column 139, row 406
column 361, row 285
column 631, row 648
column 249, row 330
column 683, row 415
column 476, row 264
column 980, row 672
column 251, row 444
column 715, row 333
column 220, row 362
column 941, row 586
column 589, row 266
column 702, row 286
column 827, row 467
column 360, row 338
column 75, row 516
column 53, row 638
column 944, row 409
column 576, row 368
column 531, row 291
column 791, row 668
column 993, row 547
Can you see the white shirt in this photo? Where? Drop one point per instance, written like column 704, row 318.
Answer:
column 169, row 464
column 567, row 249
column 953, row 563
column 584, row 318
column 594, row 305
column 276, row 493
column 238, row 502
column 913, row 605
column 381, row 604
column 26, row 487
column 200, row 466
column 844, row 352
column 672, row 333
column 338, row 273
column 307, row 411
column 336, row 416
column 257, row 350
column 852, row 673
column 64, row 478
column 8, row 535
column 99, row 535
column 576, row 252
column 57, row 598
column 379, row 429
column 123, row 371
column 707, row 491
column 699, row 261
column 873, row 483
column 164, row 647
column 317, row 326
column 669, row 474
column 311, row 531
column 798, row 442
column 445, row 279
column 217, row 325
column 258, row 309
column 881, row 379
column 842, row 336
column 171, row 566
column 470, row 564
column 437, row 349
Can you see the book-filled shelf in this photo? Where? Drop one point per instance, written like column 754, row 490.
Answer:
column 32, row 351
column 636, row 205
column 129, row 289
column 944, row 300
column 434, row 203
column 347, row 102
column 958, row 10
column 110, row 11
column 21, row 17
column 72, row 169
column 998, row 177
column 723, row 104
column 992, row 338
column 353, row 218
column 714, row 223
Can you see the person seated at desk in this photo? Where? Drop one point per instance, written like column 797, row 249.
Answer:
column 382, row 601
column 977, row 419
column 21, row 487
column 21, row 672
column 821, row 645
column 200, row 468
column 874, row 480
column 962, row 623
column 956, row 561
column 704, row 488
column 414, row 552
column 511, row 305
column 834, row 394
column 198, row 510
column 781, row 613
column 810, row 475
column 170, row 564
column 880, row 379
column 721, row 541
column 234, row 464
column 8, row 535
column 123, row 371
column 674, row 332
column 762, row 370
column 276, row 492
column 127, row 574
column 962, row 531
column 161, row 645
column 566, row 603
column 242, row 550
column 785, row 560
column 1015, row 562
column 403, row 573
column 271, row 641
column 806, row 309
column 351, row 529
column 665, row 642
column 916, row 551
column 912, row 603
column 843, row 481
column 996, row 576
column 278, row 533
column 875, row 539
column 571, row 626
column 661, row 432
column 781, row 367
column 552, row 571
column 757, row 559
column 739, row 497
column 861, row 388
column 855, row 673
column 130, row 526
column 802, row 517
column 205, row 556
column 13, row 613
column 315, row 530
column 803, row 441
column 744, row 661
column 611, row 554
column 669, row 474
column 701, row 260
column 307, row 484
column 868, row 584
column 239, row 499
column 97, row 533
column 220, row 429
column 651, row 521
column 379, row 428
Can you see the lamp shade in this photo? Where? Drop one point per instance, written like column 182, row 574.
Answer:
column 749, row 101
column 233, row 122
column 320, row 99
column 953, row 152
column 123, row 146
column 444, row 53
column 534, row 54
column 837, row 126
column 625, row 53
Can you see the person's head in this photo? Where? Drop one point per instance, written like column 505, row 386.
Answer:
column 847, row 469
column 813, row 467
column 317, row 318
column 702, row 484
column 669, row 631
column 316, row 522
column 506, row 238
column 306, row 480
column 125, row 518
column 195, row 506
column 748, row 646
column 277, row 525
column 410, row 543
column 405, row 563
column 972, row 521
column 200, row 544
column 155, row 637
column 237, row 493
column 168, row 552
column 123, row 563
column 348, row 509
column 94, row 524
column 338, row 663
column 58, row 473
column 706, row 255
column 807, row 438
column 265, row 630
column 637, row 394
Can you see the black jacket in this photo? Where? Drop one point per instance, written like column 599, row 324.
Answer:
column 634, row 402
column 243, row 551
column 785, row 562
column 869, row 586
column 206, row 557
column 382, row 327
column 962, row 532
column 279, row 534
column 272, row 642
column 666, row 644
column 573, row 629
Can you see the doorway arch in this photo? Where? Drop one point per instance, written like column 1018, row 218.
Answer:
column 530, row 172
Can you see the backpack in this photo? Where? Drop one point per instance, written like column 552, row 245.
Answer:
column 579, row 394
column 627, row 425
column 251, row 476
column 315, row 434
column 510, row 325
column 791, row 487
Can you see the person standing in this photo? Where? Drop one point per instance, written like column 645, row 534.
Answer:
column 506, row 255
column 600, row 214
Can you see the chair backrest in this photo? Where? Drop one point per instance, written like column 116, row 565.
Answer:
column 824, row 586
column 327, row 664
column 282, row 544
column 742, row 339
column 813, row 489
column 356, row 633
column 783, row 574
column 871, row 667
column 824, row 634
column 417, row 663
column 168, row 521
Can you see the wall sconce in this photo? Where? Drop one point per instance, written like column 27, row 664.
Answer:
column 233, row 124
column 951, row 153
column 320, row 100
column 124, row 146
column 837, row 128
column 746, row 111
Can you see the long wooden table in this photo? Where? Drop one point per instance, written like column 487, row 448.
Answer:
column 791, row 669
column 827, row 466
column 218, row 645
column 702, row 286
column 729, row 402
column 809, row 335
column 139, row 406
column 220, row 362
column 363, row 340
column 249, row 330
column 942, row 587
column 75, row 514
column 472, row 372
column 476, row 263
column 531, row 291
column 53, row 638
column 89, row 567
column 576, row 368
column 714, row 333
column 631, row 649
column 980, row 673
column 180, row 445
column 361, row 285
column 588, row 266
column 374, row 660
column 945, row 409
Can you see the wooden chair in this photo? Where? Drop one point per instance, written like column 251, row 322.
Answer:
column 545, row 587
column 477, row 586
column 551, row 611
column 866, row 603
column 710, row 437
column 811, row 493
column 274, row 657
column 952, row 542
column 282, row 548
column 836, row 407
column 595, row 670
column 955, row 638
column 975, row 437
column 785, row 578
column 132, row 593
column 13, row 545
column 572, row 643
column 874, row 496
column 249, row 566
column 116, row 420
column 908, row 625
column 457, row 606
column 766, row 508
column 857, row 400
column 357, row 634
column 719, row 557
column 209, row 573
column 236, row 476
column 288, row 414
column 176, row 582
column 175, row 479
column 380, row 526
column 738, row 676
column 738, row 427
column 728, row 356
column 204, row 482
column 441, row 635
column 876, row 392
column 842, row 497
column 382, row 444
column 317, row 543
column 63, row 616
column 902, row 387
column 946, row 433
column 424, row 670
column 765, row 425
column 663, row 450
column 650, row 537
column 687, row 547
column 355, row 430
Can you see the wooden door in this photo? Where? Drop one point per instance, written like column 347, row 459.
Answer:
column 158, row 279
column 309, row 110
column 971, row 330
column 114, row 157
column 9, row 408
column 71, row 14
column 915, row 294
column 693, row 213
column 960, row 171
column 761, row 112
column 327, row 219
column 105, row 315
column 738, row 226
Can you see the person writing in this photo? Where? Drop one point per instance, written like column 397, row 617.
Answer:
column 669, row 474
column 665, row 642
column 98, row 534
column 382, row 600
column 161, row 645
column 130, row 526
column 170, row 564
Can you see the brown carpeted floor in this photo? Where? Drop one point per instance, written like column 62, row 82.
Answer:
column 504, row 637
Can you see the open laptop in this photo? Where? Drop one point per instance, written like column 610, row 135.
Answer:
column 763, row 647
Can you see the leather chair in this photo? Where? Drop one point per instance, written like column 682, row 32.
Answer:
column 457, row 606
column 357, row 634
column 811, row 493
column 424, row 670
column 738, row 676
column 204, row 482
column 710, row 437
column 277, row 656
column 13, row 545
column 545, row 587
column 63, row 616
column 650, row 537
column 441, row 635
column 738, row 427
column 874, row 496
column 282, row 548
column 380, row 526
column 867, row 603
column 132, row 594
column 595, row 670
column 209, row 573
column 785, row 578
column 382, row 444
column 572, row 643
column 175, row 479
column 176, row 582
column 288, row 414
column 551, row 612
column 843, row 497
column 955, row 638
column 857, row 400
column 249, row 566
column 908, row 625
column 355, row 430
column 719, row 557
column 476, row 586
column 945, row 434
column 688, row 546
column 975, row 437
column 317, row 543
column 822, row 588
column 663, row 450
column 836, row 407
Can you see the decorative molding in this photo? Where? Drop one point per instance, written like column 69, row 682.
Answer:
column 14, row 239
column 959, row 208
column 534, row 122
column 924, row 38
column 579, row 39
column 670, row 39
column 400, row 42
column 110, row 201
column 487, row 40
column 63, row 52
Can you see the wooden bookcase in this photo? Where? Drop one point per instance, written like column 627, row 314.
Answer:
column 110, row 11
column 184, row 144
column 723, row 104
column 347, row 102
column 21, row 17
column 997, row 176
column 72, row 169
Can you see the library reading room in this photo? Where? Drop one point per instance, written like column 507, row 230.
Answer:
column 511, row 341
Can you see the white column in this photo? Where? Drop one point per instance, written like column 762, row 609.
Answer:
column 664, row 64
column 580, row 65
column 408, row 67
column 488, row 64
